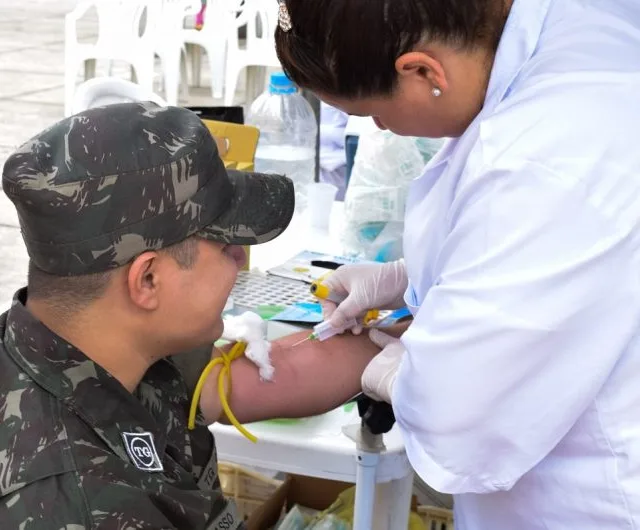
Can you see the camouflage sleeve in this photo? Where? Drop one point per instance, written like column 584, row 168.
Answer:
column 61, row 502
column 119, row 507
column 52, row 502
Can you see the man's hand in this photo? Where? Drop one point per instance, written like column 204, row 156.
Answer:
column 380, row 374
column 367, row 286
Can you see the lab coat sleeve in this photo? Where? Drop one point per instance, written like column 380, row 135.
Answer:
column 535, row 299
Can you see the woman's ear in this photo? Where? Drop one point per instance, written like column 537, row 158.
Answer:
column 422, row 67
column 143, row 281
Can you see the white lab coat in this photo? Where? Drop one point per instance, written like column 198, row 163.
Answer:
column 520, row 389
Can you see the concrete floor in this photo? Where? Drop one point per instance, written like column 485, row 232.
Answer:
column 31, row 99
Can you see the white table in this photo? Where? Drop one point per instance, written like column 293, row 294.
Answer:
column 316, row 446
column 300, row 236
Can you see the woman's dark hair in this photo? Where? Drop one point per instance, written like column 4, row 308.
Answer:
column 348, row 48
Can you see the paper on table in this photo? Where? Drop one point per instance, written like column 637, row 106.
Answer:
column 306, row 267
column 300, row 313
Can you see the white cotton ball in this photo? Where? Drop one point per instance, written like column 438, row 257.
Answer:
column 258, row 353
column 251, row 329
column 234, row 328
column 255, row 327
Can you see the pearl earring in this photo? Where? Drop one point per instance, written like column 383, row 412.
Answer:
column 436, row 92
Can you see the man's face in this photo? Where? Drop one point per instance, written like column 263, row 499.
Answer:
column 192, row 300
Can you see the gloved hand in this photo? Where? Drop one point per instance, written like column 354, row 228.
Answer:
column 380, row 374
column 367, row 286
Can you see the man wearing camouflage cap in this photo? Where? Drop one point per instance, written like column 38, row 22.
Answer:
column 132, row 225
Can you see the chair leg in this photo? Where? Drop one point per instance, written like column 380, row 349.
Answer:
column 171, row 76
column 196, row 65
column 171, row 82
column 230, row 83
column 144, row 74
column 90, row 69
column 184, row 75
column 70, row 73
column 217, row 58
column 255, row 82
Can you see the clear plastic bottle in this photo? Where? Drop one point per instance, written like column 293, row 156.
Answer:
column 288, row 132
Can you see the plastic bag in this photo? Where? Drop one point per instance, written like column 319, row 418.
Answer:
column 385, row 164
column 329, row 522
column 339, row 516
column 342, row 510
column 296, row 519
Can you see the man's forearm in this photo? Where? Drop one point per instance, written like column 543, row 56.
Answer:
column 311, row 378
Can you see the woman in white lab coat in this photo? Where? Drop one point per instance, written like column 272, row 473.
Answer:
column 516, row 385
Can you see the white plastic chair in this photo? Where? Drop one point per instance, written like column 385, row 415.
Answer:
column 168, row 20
column 260, row 18
column 108, row 90
column 218, row 25
column 119, row 38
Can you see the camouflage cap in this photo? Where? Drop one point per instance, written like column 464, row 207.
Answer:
column 97, row 189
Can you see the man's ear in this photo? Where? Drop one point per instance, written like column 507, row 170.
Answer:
column 423, row 67
column 143, row 281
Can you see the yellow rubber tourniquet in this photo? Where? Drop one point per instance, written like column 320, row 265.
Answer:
column 225, row 359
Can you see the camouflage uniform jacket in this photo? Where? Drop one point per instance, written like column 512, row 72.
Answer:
column 66, row 461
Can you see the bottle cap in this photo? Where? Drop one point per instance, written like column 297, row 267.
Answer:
column 279, row 83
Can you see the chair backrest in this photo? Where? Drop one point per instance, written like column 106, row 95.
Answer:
column 168, row 17
column 260, row 18
column 124, row 22
column 219, row 17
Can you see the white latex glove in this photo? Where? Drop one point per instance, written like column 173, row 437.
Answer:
column 367, row 286
column 380, row 374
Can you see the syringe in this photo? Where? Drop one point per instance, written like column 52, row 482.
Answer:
column 325, row 330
